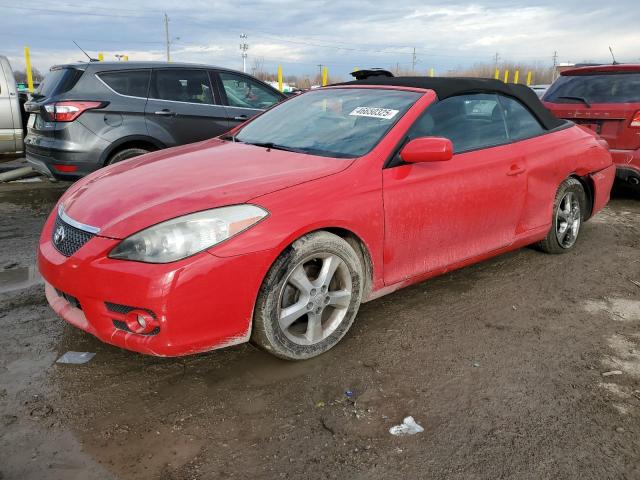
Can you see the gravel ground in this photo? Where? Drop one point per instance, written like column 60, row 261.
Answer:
column 502, row 364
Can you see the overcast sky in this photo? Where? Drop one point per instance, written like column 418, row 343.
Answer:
column 341, row 34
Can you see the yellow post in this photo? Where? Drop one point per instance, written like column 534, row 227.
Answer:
column 126, row 58
column 506, row 76
column 432, row 72
column 325, row 74
column 27, row 63
column 497, row 75
column 280, row 77
column 528, row 78
column 101, row 57
column 516, row 77
column 355, row 69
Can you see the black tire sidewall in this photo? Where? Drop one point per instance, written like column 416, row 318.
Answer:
column 569, row 185
column 126, row 154
column 267, row 332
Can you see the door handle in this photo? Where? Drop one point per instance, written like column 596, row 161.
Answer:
column 516, row 170
column 166, row 112
column 241, row 117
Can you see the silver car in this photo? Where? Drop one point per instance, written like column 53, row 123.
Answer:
column 12, row 125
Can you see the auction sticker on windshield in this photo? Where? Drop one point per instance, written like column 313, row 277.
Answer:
column 374, row 112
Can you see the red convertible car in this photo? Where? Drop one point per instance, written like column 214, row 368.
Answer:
column 277, row 233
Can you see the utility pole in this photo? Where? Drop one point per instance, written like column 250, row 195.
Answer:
column 320, row 67
column 244, row 46
column 413, row 61
column 496, row 59
column 166, row 36
column 555, row 65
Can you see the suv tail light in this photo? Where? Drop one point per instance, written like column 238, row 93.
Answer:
column 636, row 119
column 69, row 111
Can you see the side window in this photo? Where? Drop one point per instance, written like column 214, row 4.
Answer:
column 133, row 83
column 469, row 121
column 520, row 122
column 181, row 85
column 246, row 93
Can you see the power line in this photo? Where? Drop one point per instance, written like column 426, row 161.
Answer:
column 74, row 12
column 196, row 21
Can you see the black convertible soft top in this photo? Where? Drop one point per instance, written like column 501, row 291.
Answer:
column 446, row 87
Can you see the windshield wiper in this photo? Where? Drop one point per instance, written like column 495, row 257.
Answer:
column 274, row 146
column 580, row 99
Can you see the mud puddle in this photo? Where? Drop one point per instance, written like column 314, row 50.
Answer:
column 19, row 278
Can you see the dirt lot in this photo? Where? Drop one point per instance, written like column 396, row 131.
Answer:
column 501, row 363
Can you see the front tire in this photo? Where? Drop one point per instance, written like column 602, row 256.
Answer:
column 569, row 211
column 309, row 298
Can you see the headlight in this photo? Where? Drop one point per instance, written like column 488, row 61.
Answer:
column 183, row 236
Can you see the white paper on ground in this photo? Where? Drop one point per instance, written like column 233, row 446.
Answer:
column 76, row 358
column 407, row 427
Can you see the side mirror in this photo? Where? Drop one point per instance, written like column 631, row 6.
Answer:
column 427, row 149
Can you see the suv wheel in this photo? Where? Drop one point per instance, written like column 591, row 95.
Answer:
column 125, row 155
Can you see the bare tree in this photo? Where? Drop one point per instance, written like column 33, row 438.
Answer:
column 540, row 74
column 21, row 75
column 257, row 68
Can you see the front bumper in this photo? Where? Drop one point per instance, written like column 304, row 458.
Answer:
column 200, row 303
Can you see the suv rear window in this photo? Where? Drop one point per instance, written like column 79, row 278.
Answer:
column 58, row 81
column 598, row 88
column 133, row 83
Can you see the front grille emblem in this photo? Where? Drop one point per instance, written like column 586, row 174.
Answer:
column 59, row 235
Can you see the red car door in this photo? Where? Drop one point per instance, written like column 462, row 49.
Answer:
column 440, row 213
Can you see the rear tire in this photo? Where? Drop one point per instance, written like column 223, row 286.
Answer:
column 569, row 211
column 126, row 154
column 309, row 298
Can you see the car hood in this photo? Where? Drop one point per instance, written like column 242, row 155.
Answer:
column 130, row 196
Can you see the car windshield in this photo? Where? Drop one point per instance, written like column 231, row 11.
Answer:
column 601, row 88
column 344, row 123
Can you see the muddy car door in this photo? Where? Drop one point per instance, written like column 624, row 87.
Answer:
column 441, row 213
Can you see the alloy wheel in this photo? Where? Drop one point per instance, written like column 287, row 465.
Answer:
column 568, row 219
column 314, row 299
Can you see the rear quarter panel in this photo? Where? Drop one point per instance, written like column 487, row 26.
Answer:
column 551, row 158
column 122, row 117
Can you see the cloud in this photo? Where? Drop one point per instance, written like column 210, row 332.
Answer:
column 338, row 34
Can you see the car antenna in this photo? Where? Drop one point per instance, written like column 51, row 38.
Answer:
column 615, row 62
column 90, row 59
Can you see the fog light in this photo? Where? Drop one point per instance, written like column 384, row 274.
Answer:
column 139, row 321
